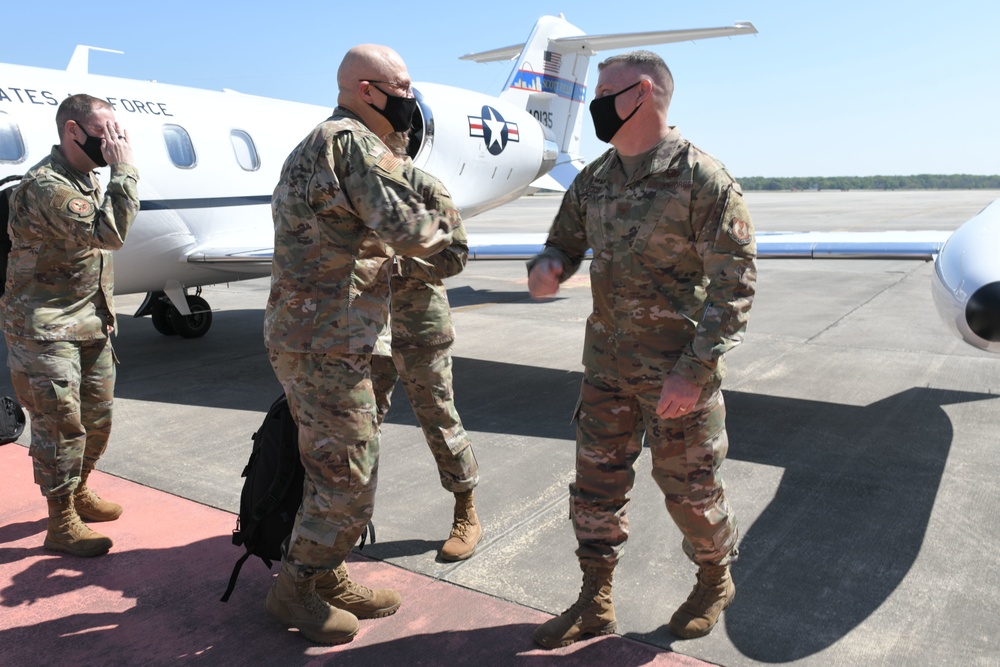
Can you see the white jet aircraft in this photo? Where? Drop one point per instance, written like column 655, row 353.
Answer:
column 209, row 160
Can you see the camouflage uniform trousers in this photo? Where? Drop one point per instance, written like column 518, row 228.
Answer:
column 330, row 397
column 427, row 380
column 686, row 454
column 68, row 389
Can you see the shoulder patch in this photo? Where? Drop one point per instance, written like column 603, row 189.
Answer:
column 79, row 206
column 739, row 231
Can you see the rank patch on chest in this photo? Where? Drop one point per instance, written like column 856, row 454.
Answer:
column 739, row 230
column 80, row 206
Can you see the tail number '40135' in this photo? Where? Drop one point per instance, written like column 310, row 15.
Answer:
column 543, row 117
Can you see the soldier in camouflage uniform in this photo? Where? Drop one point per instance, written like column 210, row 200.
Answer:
column 342, row 205
column 58, row 311
column 422, row 336
column 673, row 276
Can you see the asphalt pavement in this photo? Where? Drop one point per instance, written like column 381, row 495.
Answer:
column 862, row 462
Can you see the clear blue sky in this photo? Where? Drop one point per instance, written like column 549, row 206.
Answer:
column 825, row 89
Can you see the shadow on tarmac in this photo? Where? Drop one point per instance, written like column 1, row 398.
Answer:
column 464, row 296
column 846, row 522
column 842, row 531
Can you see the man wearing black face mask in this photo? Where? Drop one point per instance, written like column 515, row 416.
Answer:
column 343, row 205
column 673, row 278
column 58, row 312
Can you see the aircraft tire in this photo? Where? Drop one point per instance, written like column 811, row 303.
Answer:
column 160, row 313
column 197, row 323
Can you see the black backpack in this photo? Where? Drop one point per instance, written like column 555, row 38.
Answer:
column 5, row 244
column 12, row 420
column 272, row 491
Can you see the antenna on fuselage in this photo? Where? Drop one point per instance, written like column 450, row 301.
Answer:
column 78, row 63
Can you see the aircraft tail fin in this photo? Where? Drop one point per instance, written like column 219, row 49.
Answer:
column 79, row 63
column 549, row 78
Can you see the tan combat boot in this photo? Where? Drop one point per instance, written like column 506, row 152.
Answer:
column 699, row 614
column 465, row 530
column 338, row 589
column 90, row 506
column 70, row 535
column 592, row 615
column 295, row 603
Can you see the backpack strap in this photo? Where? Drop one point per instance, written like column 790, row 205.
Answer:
column 369, row 530
column 236, row 573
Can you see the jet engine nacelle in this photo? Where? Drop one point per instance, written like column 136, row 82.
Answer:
column 500, row 148
column 966, row 282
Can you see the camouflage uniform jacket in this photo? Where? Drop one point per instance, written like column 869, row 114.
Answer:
column 60, row 275
column 673, row 273
column 342, row 205
column 421, row 316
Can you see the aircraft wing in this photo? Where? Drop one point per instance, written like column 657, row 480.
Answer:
column 235, row 259
column 923, row 245
column 846, row 245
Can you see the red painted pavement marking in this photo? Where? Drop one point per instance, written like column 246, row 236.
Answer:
column 154, row 598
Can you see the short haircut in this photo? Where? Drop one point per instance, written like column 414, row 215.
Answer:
column 78, row 108
column 648, row 63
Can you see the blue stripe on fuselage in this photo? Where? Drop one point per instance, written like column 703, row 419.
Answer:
column 204, row 202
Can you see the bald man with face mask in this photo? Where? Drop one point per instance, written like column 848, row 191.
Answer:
column 342, row 207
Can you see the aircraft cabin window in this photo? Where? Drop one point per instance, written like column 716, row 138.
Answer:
column 11, row 144
column 179, row 146
column 246, row 152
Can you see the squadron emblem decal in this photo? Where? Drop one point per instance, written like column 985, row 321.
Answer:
column 495, row 131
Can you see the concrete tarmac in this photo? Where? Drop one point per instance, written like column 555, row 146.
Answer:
column 862, row 458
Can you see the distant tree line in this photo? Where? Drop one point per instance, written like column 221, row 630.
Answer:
column 917, row 182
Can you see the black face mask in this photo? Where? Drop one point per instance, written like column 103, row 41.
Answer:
column 92, row 147
column 606, row 120
column 398, row 110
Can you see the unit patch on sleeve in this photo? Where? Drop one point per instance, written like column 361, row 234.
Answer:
column 80, row 207
column 739, row 230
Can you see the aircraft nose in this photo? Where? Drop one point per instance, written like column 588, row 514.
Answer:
column 983, row 312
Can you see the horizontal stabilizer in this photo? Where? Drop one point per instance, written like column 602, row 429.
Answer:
column 591, row 44
column 495, row 55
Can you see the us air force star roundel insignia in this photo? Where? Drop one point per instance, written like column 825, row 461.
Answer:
column 495, row 131
column 740, row 231
column 80, row 206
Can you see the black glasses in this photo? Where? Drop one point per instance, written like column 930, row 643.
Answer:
column 405, row 87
